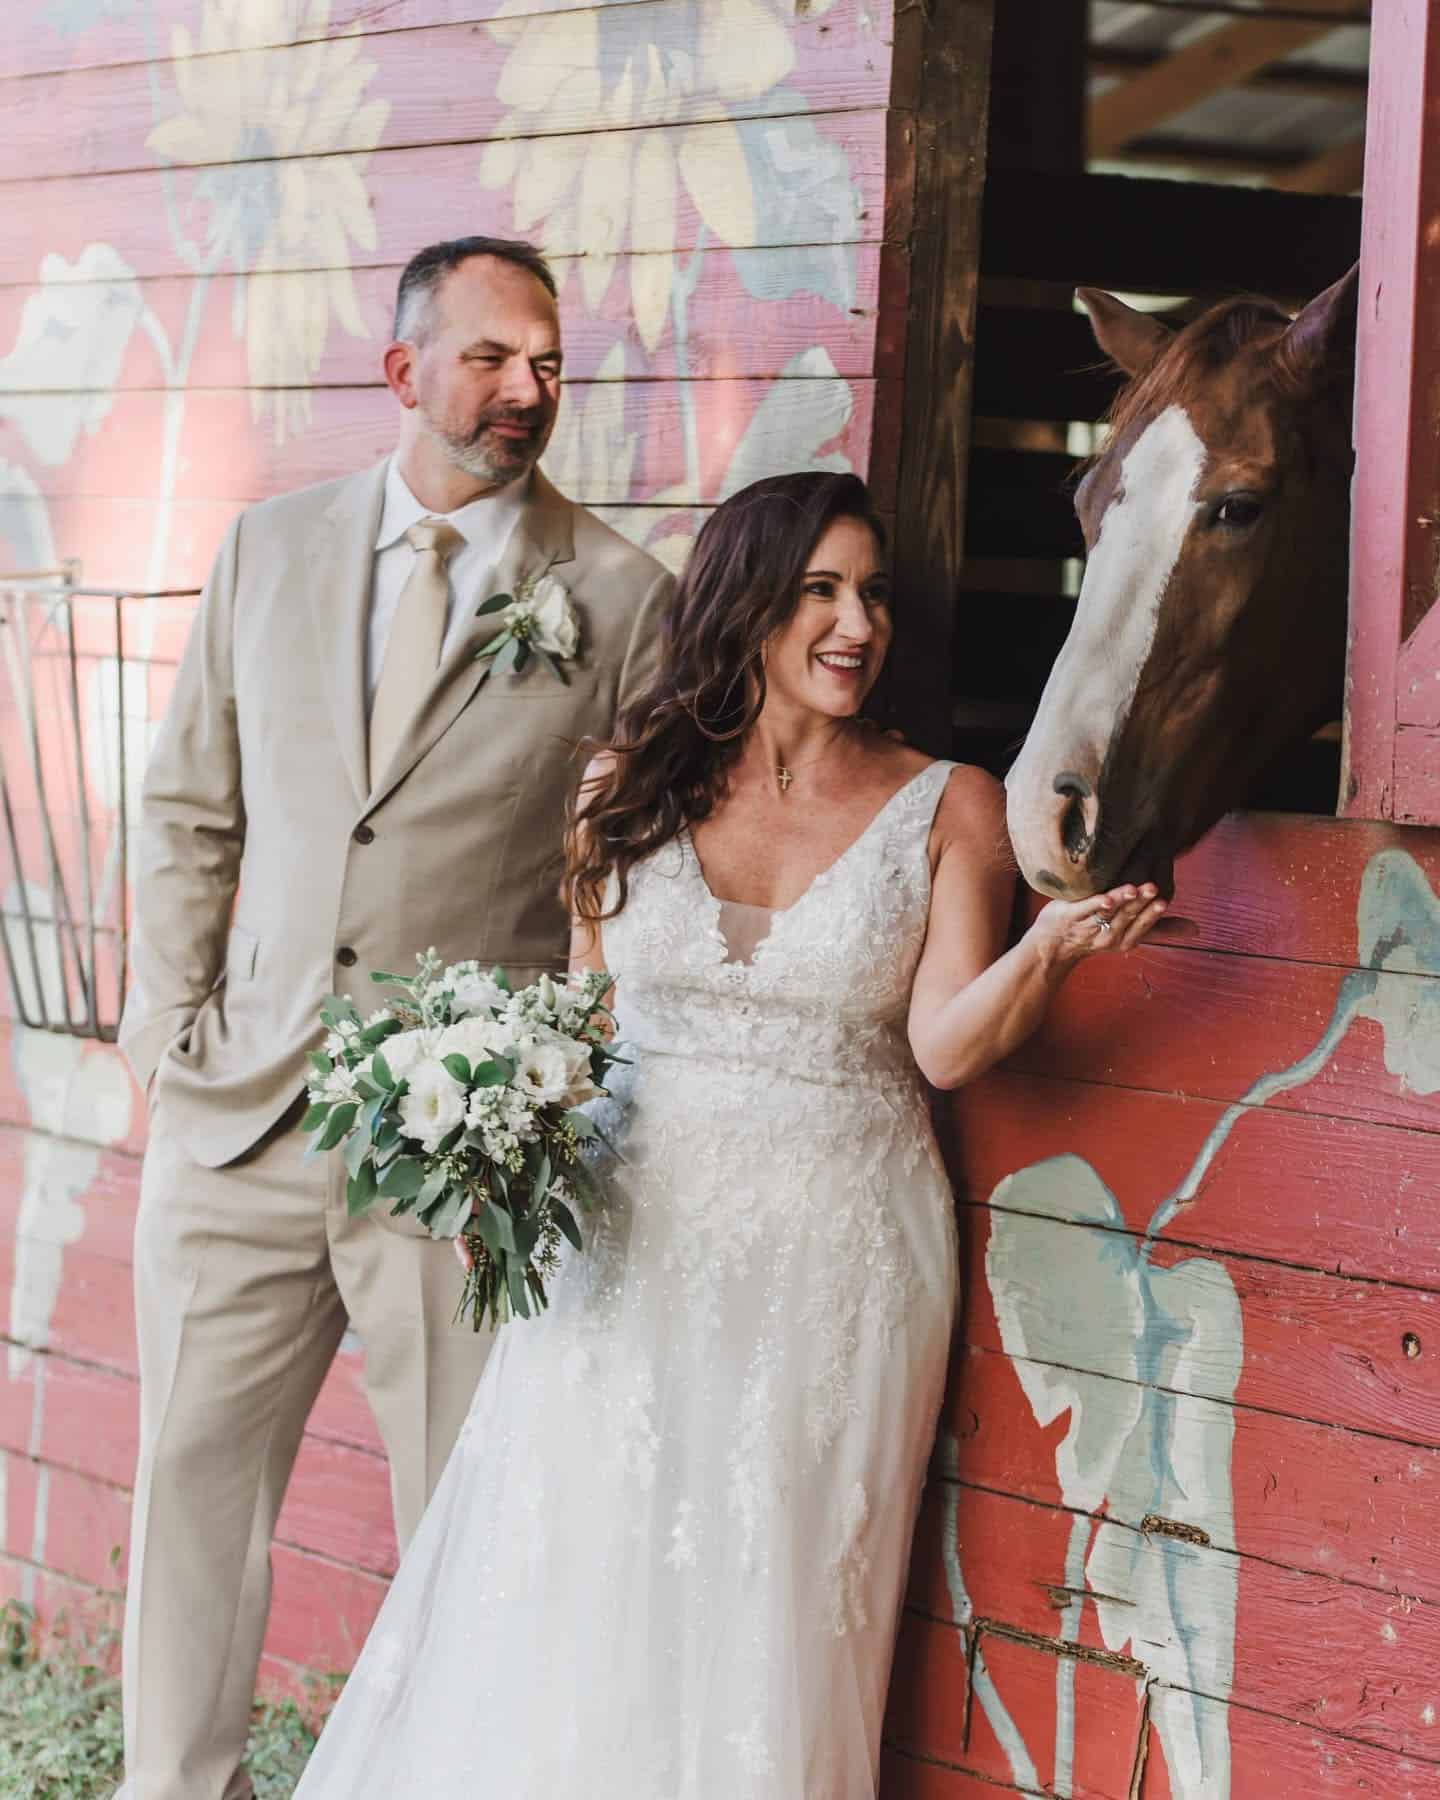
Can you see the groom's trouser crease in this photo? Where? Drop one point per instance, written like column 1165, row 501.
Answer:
column 244, row 1278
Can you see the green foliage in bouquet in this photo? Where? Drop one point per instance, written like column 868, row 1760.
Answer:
column 459, row 1101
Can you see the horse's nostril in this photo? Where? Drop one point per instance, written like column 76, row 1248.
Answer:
column 1073, row 833
column 1068, row 782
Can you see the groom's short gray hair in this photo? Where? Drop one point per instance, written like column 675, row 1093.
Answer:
column 422, row 275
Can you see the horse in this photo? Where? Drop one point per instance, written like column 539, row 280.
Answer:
column 1209, row 633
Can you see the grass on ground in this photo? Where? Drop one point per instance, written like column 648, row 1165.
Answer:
column 61, row 1736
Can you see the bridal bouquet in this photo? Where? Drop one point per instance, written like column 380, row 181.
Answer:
column 457, row 1102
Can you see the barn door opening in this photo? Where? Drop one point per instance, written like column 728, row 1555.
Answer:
column 1174, row 153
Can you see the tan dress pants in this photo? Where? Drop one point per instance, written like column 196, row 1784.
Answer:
column 244, row 1279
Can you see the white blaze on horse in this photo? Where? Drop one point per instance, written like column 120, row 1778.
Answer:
column 1209, row 634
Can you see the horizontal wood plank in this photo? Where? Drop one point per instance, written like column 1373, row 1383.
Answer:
column 1337, row 1195
column 55, row 42
column 1277, row 1757
column 1304, row 1648
column 412, row 200
column 1038, row 363
column 732, row 329
column 449, row 83
column 1163, row 1019
column 611, row 445
column 1358, row 1354
column 1354, row 1523
column 1166, row 237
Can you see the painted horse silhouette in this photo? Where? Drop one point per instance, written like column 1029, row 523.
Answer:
column 1210, row 629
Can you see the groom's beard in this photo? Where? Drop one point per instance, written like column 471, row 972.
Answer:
column 491, row 458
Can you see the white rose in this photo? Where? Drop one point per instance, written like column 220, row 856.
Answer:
column 402, row 1050
column 556, row 627
column 434, row 1104
column 473, row 991
column 477, row 1040
column 552, row 1068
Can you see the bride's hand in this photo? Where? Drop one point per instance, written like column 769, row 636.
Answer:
column 462, row 1254
column 1066, row 931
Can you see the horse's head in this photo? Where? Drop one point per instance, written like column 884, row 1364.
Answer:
column 1210, row 629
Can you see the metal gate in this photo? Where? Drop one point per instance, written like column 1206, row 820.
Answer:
column 83, row 673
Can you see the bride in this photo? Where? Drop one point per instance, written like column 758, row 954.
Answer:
column 667, row 1557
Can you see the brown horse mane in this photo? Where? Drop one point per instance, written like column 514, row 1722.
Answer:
column 1190, row 361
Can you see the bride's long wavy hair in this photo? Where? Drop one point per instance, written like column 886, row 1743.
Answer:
column 675, row 743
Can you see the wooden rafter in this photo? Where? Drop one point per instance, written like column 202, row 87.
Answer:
column 1339, row 170
column 1291, row 81
column 1222, row 58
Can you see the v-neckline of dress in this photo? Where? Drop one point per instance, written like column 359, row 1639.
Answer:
column 779, row 914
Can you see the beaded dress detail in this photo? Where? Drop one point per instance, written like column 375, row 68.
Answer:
column 666, row 1559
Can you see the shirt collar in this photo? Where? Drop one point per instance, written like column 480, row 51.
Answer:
column 486, row 521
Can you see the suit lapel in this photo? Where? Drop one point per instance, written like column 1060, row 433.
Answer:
column 543, row 538
column 341, row 564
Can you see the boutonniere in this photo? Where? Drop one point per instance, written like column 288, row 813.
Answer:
column 537, row 620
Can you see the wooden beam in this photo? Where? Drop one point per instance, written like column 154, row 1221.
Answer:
column 948, row 129
column 1222, row 58
column 1292, row 80
column 1339, row 170
column 1397, row 451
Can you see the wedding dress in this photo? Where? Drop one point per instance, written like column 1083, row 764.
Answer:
column 666, row 1559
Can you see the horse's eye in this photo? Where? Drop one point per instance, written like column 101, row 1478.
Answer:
column 1238, row 510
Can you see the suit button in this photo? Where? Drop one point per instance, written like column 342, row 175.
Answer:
column 346, row 957
column 363, row 835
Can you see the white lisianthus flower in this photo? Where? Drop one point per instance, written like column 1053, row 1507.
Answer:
column 402, row 1050
column 434, row 1104
column 477, row 1040
column 472, row 990
column 554, row 626
column 553, row 1069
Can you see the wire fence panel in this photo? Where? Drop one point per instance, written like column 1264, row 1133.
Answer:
column 84, row 675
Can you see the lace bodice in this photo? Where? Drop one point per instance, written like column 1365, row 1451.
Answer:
column 825, row 995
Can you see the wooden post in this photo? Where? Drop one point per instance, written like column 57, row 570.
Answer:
column 1392, row 710
column 946, row 121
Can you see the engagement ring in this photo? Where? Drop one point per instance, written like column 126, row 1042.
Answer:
column 1104, row 924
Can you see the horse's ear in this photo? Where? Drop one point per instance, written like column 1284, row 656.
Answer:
column 1132, row 339
column 1321, row 339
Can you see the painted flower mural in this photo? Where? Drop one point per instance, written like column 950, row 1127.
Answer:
column 283, row 142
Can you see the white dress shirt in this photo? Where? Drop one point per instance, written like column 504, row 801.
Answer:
column 486, row 525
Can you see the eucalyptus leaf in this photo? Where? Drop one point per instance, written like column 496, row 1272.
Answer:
column 357, row 1150
column 341, row 1120
column 515, row 1281
column 403, row 1179
column 522, row 655
column 485, row 1224
column 496, row 603
column 496, row 648
column 319, row 1061
column 459, row 1067
column 565, row 1219
column 360, row 1191
column 448, row 1218
column 504, row 1227
column 494, row 1073
column 434, row 1186
column 316, row 1115
column 380, row 1070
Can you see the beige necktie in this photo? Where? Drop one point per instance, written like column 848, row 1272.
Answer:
column 413, row 652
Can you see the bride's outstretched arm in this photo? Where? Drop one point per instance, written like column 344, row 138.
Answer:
column 970, row 1005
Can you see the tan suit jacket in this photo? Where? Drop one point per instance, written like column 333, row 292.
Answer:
column 264, row 861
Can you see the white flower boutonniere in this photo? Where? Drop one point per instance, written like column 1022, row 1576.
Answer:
column 538, row 620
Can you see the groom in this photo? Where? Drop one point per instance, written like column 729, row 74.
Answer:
column 337, row 785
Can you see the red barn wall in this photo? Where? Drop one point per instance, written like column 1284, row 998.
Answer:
column 1180, row 1536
